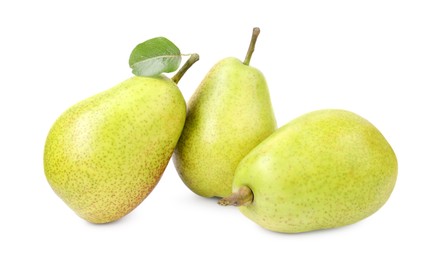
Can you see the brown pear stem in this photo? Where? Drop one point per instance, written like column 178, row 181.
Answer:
column 242, row 197
column 192, row 60
column 256, row 32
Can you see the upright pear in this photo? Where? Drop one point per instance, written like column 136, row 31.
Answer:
column 228, row 115
column 325, row 169
column 104, row 155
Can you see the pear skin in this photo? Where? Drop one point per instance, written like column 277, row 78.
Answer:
column 325, row 169
column 104, row 155
column 228, row 115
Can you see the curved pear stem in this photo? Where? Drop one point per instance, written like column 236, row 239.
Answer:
column 192, row 60
column 256, row 32
column 242, row 197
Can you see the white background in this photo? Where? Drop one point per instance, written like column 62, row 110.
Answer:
column 380, row 59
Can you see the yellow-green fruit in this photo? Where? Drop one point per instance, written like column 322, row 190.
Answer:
column 325, row 169
column 228, row 115
column 104, row 155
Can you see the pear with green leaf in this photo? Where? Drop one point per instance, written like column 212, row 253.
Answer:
column 325, row 169
column 104, row 155
column 228, row 115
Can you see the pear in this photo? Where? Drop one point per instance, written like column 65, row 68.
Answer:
column 104, row 155
column 228, row 115
column 325, row 169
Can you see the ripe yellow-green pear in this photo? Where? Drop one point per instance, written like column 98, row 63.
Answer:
column 325, row 169
column 104, row 155
column 228, row 115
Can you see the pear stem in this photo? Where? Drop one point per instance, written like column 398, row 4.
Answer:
column 256, row 32
column 242, row 197
column 192, row 60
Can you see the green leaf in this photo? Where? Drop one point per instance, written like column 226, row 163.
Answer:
column 154, row 57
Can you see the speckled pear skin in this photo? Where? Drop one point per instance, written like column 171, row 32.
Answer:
column 325, row 169
column 104, row 155
column 228, row 115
